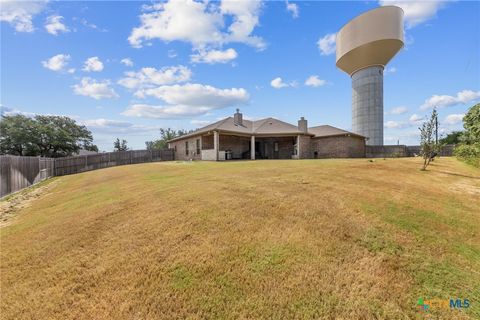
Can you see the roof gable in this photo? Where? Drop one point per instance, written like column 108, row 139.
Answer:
column 266, row 126
column 326, row 131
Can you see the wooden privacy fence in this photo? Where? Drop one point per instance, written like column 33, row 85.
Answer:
column 18, row 172
column 398, row 151
column 76, row 164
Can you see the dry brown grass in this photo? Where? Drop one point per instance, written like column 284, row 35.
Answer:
column 332, row 239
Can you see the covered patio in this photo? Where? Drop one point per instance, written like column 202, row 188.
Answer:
column 229, row 146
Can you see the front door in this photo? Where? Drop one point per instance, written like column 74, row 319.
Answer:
column 257, row 149
column 275, row 150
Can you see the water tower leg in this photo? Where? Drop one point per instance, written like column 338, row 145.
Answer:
column 367, row 104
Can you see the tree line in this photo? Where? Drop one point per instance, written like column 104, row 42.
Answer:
column 165, row 135
column 46, row 136
column 60, row 136
column 467, row 141
column 468, row 149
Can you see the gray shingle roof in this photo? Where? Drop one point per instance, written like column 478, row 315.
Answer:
column 265, row 126
column 328, row 131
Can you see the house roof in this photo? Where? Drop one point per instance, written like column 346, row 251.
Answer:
column 267, row 126
column 329, row 131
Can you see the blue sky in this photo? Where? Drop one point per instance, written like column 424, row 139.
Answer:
column 126, row 69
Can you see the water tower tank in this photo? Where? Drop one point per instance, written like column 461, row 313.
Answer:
column 364, row 47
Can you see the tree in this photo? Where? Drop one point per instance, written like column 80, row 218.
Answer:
column 47, row 136
column 469, row 149
column 165, row 135
column 61, row 136
column 17, row 135
column 453, row 137
column 428, row 145
column 471, row 123
column 120, row 145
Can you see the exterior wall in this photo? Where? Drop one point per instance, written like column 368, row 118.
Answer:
column 310, row 148
column 238, row 145
column 267, row 147
column 207, row 142
column 338, row 147
column 367, row 104
column 305, row 147
column 180, row 151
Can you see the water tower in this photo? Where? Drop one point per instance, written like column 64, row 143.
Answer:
column 364, row 47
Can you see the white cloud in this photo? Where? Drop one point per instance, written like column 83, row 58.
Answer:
column 54, row 25
column 278, row 83
column 93, row 64
column 115, row 126
column 106, row 123
column 440, row 101
column 148, row 77
column 92, row 25
column 393, row 125
column 186, row 101
column 94, row 89
column 200, row 23
column 399, row 110
column 416, row 119
column 214, row 56
column 7, row 111
column 19, row 14
column 416, row 12
column 200, row 123
column 245, row 17
column 454, row 118
column 127, row 61
column 315, row 81
column 389, row 70
column 293, row 8
column 164, row 112
column 198, row 95
column 327, row 44
column 58, row 63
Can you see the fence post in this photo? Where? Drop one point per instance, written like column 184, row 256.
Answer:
column 86, row 162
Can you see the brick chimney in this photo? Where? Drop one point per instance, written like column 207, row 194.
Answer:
column 238, row 118
column 303, row 125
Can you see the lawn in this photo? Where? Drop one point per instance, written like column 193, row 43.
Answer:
column 333, row 239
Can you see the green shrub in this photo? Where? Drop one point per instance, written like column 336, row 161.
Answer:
column 468, row 153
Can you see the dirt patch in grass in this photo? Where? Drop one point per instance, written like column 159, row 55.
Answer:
column 11, row 205
column 313, row 239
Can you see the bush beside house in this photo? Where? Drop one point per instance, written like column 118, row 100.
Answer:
column 469, row 150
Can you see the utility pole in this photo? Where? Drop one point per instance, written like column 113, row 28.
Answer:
column 436, row 129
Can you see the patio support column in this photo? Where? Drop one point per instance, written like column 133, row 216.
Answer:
column 298, row 147
column 252, row 148
column 216, row 143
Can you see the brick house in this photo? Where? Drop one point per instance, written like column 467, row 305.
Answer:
column 236, row 138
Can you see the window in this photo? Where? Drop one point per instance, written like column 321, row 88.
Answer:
column 198, row 146
column 175, row 148
column 275, row 146
column 186, row 148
